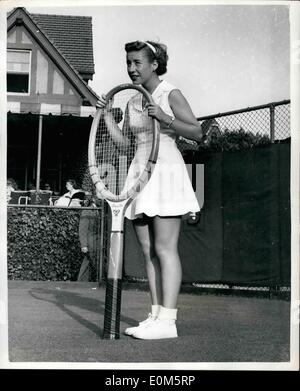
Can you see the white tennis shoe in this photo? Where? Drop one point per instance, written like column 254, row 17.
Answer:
column 159, row 329
column 131, row 330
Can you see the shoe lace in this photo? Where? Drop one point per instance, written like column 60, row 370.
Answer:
column 150, row 317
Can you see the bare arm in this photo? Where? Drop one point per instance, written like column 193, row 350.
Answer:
column 116, row 134
column 185, row 123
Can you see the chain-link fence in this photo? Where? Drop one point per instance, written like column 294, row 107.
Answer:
column 271, row 120
column 281, row 292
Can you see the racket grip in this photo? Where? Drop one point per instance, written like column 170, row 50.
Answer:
column 111, row 329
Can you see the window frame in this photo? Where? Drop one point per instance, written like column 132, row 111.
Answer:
column 20, row 72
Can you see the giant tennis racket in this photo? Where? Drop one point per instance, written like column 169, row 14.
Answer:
column 123, row 149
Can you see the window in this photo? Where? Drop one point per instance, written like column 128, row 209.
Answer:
column 18, row 71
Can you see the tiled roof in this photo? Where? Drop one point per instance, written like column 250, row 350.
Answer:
column 72, row 35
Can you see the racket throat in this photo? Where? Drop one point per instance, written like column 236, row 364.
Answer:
column 115, row 265
column 118, row 212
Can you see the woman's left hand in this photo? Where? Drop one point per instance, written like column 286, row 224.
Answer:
column 155, row 111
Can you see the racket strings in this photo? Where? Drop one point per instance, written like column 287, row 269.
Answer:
column 123, row 142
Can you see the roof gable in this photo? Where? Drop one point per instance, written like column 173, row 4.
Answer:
column 72, row 35
column 19, row 16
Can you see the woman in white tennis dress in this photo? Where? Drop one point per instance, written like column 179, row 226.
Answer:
column 169, row 191
column 157, row 210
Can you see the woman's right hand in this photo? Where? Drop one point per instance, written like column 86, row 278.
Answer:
column 103, row 103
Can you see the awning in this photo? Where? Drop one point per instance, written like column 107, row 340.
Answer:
column 46, row 108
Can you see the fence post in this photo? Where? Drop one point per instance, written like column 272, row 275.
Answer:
column 272, row 123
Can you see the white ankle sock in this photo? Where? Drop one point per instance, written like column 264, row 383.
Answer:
column 155, row 309
column 167, row 313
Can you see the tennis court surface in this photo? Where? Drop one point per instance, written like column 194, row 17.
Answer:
column 62, row 322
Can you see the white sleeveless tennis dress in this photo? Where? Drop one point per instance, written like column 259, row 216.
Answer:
column 169, row 191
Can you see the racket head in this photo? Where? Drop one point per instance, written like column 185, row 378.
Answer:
column 120, row 168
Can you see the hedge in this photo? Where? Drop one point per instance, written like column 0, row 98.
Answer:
column 226, row 141
column 234, row 140
column 43, row 244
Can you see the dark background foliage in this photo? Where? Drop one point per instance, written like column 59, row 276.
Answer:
column 234, row 140
column 43, row 244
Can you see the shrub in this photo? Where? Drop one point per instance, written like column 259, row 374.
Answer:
column 228, row 140
column 43, row 244
column 234, row 140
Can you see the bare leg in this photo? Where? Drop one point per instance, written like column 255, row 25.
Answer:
column 166, row 234
column 143, row 228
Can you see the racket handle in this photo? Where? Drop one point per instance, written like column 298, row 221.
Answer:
column 112, row 313
column 115, row 264
column 111, row 329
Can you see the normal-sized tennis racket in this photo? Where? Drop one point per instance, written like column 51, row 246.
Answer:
column 123, row 149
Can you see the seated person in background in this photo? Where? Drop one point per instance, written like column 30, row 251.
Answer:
column 74, row 196
column 47, row 187
column 10, row 186
column 31, row 186
column 77, row 199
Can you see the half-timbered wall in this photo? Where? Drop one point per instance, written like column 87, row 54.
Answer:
column 49, row 90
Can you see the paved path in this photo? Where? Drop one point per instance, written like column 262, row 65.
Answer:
column 62, row 322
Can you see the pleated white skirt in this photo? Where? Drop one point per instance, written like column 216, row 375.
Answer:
column 169, row 191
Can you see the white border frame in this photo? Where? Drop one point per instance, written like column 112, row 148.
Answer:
column 293, row 364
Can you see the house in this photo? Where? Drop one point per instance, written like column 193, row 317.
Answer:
column 50, row 104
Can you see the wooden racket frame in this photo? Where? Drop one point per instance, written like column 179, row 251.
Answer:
column 118, row 205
